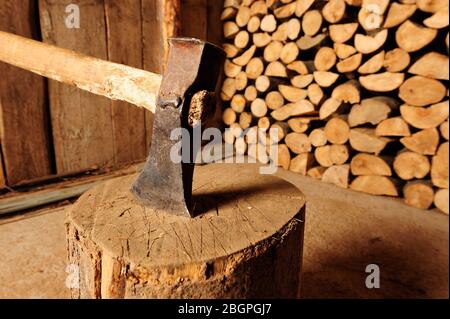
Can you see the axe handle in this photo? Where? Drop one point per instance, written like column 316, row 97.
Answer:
column 115, row 81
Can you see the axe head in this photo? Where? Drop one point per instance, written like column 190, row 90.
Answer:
column 187, row 97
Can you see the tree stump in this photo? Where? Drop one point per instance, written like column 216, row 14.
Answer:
column 246, row 241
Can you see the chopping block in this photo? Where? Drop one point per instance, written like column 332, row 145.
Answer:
column 244, row 242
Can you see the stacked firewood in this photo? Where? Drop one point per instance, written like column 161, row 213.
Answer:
column 356, row 88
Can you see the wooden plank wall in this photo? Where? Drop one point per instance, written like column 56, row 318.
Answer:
column 24, row 137
column 80, row 130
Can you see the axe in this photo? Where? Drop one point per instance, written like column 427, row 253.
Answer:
column 184, row 97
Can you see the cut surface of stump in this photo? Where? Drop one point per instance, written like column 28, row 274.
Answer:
column 246, row 241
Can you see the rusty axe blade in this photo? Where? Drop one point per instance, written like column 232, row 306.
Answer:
column 186, row 98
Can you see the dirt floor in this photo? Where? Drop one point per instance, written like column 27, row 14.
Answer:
column 345, row 232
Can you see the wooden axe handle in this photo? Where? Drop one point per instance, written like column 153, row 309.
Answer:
column 115, row 81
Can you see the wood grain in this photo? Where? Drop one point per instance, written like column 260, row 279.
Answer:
column 24, row 129
column 124, row 38
column 82, row 126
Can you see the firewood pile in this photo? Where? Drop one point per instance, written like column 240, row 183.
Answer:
column 356, row 88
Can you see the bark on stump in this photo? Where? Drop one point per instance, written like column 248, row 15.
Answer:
column 246, row 241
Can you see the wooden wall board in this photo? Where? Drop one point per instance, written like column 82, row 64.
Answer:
column 124, row 38
column 23, row 127
column 81, row 122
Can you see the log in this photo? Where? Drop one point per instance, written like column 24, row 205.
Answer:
column 111, row 245
column 371, row 165
column 282, row 129
column 242, row 39
column 243, row 16
column 432, row 65
column 348, row 92
column 311, row 22
column 274, row 100
column 230, row 29
column 412, row 37
column 409, row 165
column 337, row 131
column 341, row 33
column 229, row 116
column 241, row 81
column 425, row 118
column 292, row 94
column 264, row 123
column 298, row 66
column 398, row 13
column 302, row 7
column 439, row 167
column 325, row 59
column 276, row 69
column 285, row 11
column 272, row 51
column 258, row 8
column 250, row 93
column 373, row 65
column 330, row 155
column 329, row 107
column 424, row 142
column 228, row 89
column 421, row 91
column 238, row 103
column 302, row 81
column 299, row 124
column 262, row 83
column 431, row 6
column 394, row 126
column 441, row 200
column 365, row 140
column 337, row 175
column 254, row 68
column 367, row 44
column 268, row 23
column 253, row 24
column 245, row 57
column 283, row 156
column 230, row 69
column 316, row 172
column 343, row 51
column 315, row 94
column 396, row 60
column 419, row 194
column 298, row 143
column 438, row 20
column 245, row 120
column 302, row 163
column 307, row 42
column 373, row 111
column 230, row 50
column 261, row 39
column 302, row 107
column 317, row 137
column 349, row 64
column 325, row 79
column 258, row 108
column 334, row 11
column 289, row 53
column 375, row 185
column 382, row 82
